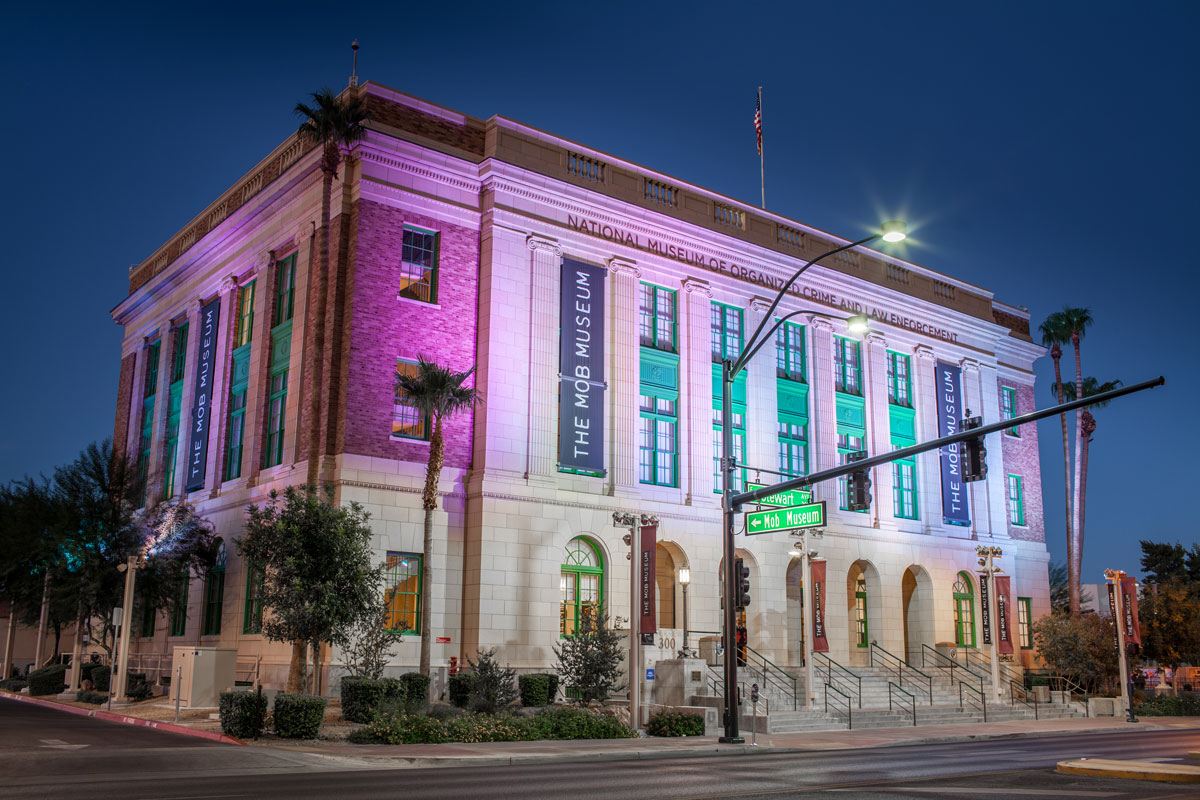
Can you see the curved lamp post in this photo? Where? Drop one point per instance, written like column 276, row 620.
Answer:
column 892, row 231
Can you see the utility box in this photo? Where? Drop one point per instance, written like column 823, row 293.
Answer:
column 206, row 672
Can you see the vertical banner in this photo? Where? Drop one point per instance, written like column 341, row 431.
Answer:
column 646, row 565
column 581, row 368
column 948, row 391
column 202, row 405
column 1112, row 614
column 820, row 640
column 986, row 610
column 1129, row 610
column 1004, row 642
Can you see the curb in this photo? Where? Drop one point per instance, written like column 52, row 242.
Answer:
column 125, row 719
column 1131, row 770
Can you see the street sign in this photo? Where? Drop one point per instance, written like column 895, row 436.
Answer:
column 650, row 673
column 811, row 515
column 795, row 497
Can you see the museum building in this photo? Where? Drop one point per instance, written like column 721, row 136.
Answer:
column 594, row 298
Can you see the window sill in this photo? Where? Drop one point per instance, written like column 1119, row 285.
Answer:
column 413, row 301
column 409, row 439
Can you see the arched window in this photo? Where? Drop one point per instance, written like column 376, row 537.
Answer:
column 964, row 611
column 581, row 584
column 860, row 610
column 214, row 593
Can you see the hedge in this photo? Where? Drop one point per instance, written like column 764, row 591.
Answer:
column 243, row 714
column 459, row 688
column 299, row 716
column 561, row 723
column 537, row 689
column 360, row 698
column 101, row 678
column 13, row 685
column 675, row 723
column 415, row 689
column 573, row 722
column 48, row 680
column 1187, row 704
column 85, row 670
column 84, row 696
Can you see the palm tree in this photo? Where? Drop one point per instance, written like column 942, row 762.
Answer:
column 437, row 392
column 1091, row 387
column 1078, row 320
column 1055, row 333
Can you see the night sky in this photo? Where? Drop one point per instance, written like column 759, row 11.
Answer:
column 1046, row 151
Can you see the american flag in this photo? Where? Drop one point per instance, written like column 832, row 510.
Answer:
column 758, row 121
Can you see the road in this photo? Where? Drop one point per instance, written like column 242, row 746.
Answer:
column 47, row 753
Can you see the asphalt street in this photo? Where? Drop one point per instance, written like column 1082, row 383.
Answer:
column 47, row 753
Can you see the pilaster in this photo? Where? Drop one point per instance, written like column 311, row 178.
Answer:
column 187, row 399
column 822, row 436
column 623, row 377
column 697, row 353
column 972, row 397
column 162, row 395
column 218, row 431
column 297, row 416
column 929, row 473
column 545, row 271
column 879, row 436
column 762, row 400
column 254, row 426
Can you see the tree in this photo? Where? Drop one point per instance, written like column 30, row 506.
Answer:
column 590, row 660
column 438, row 393
column 1078, row 320
column 1055, row 333
column 369, row 644
column 318, row 581
column 1080, row 647
column 495, row 687
column 1169, row 618
column 1060, row 590
column 1162, row 562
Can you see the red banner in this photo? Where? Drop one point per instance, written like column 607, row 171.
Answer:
column 819, row 639
column 1129, row 609
column 646, row 566
column 1112, row 611
column 1003, row 621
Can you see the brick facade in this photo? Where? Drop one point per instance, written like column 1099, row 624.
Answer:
column 1020, row 455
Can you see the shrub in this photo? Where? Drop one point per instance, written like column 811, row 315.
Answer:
column 1185, row 705
column 495, row 686
column 47, row 680
column 675, row 723
column 459, row 688
column 400, row 728
column 136, row 687
column 101, row 678
column 577, row 723
column 243, row 714
column 444, row 713
column 535, row 689
column 85, row 696
column 414, row 689
column 590, row 661
column 13, row 685
column 360, row 698
column 85, row 670
column 487, row 728
column 393, row 689
column 299, row 716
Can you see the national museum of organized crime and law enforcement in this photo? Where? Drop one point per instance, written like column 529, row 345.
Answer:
column 491, row 245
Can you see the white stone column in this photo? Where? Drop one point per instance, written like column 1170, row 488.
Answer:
column 879, row 435
column 294, row 417
column 187, row 399
column 545, row 267
column 973, row 407
column 996, row 488
column 162, row 395
column 929, row 474
column 822, row 430
column 696, row 380
column 257, row 390
column 762, row 401
column 624, row 370
column 133, row 437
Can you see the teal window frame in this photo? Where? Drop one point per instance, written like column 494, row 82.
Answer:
column 178, row 622
column 174, row 409
column 582, row 564
column 658, row 436
column 285, row 289
column 420, row 250
column 790, row 357
column 792, row 438
column 1008, row 408
column 401, row 594
column 252, row 613
column 214, row 593
column 238, row 392
column 847, row 443
column 1025, row 622
column 964, row 611
column 657, row 318
column 407, row 420
column 904, row 488
column 276, row 416
column 726, row 325
column 847, row 376
column 899, row 379
column 244, row 330
column 1016, row 500
column 149, row 392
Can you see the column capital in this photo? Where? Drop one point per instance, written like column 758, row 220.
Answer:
column 969, row 365
column 822, row 324
column 229, row 284
column 623, row 266
column 263, row 260
column 536, row 243
column 697, row 286
column 194, row 306
column 304, row 230
column 925, row 352
column 760, row 305
column 876, row 339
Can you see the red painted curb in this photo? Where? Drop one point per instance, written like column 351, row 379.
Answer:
column 125, row 719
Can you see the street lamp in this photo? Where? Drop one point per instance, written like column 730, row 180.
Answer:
column 1118, row 608
column 685, row 577
column 807, row 606
column 893, row 231
column 987, row 555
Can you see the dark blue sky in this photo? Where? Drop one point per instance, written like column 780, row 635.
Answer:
column 1047, row 151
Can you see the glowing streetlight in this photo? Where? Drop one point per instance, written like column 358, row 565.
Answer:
column 894, row 231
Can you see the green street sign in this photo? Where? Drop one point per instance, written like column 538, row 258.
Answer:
column 811, row 515
column 795, row 497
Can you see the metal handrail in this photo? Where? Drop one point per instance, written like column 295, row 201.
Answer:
column 912, row 701
column 985, row 662
column 928, row 653
column 849, row 710
column 1069, row 688
column 850, row 681
column 1013, row 688
column 982, row 699
column 902, row 665
column 779, row 678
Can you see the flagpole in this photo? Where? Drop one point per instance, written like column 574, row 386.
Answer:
column 762, row 169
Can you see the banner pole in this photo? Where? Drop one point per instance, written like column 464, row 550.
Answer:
column 762, row 169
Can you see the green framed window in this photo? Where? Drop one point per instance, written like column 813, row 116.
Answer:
column 793, row 445
column 407, row 420
column 861, row 635
column 656, row 318
column 658, row 446
column 174, row 407
column 1008, row 408
column 285, row 289
column 964, row 611
column 847, row 366
column 739, row 446
column 726, row 327
column 214, row 593
column 243, row 331
column 846, row 444
column 581, row 585
column 237, row 428
column 899, row 379
column 419, row 265
column 1025, row 622
column 789, row 352
column 149, row 392
column 1016, row 500
column 252, row 614
column 402, row 593
column 904, row 488
column 276, row 417
column 178, row 622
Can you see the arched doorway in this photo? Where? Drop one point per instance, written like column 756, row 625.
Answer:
column 964, row 611
column 863, row 598
column 664, row 585
column 581, row 584
column 796, row 630
column 917, row 590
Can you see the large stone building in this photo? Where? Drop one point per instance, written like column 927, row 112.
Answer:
column 450, row 239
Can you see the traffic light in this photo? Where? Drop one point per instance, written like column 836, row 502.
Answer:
column 858, row 485
column 741, row 586
column 974, row 454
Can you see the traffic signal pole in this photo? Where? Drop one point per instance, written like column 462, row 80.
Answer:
column 729, row 613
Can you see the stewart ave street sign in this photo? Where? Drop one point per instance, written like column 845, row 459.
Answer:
column 795, row 497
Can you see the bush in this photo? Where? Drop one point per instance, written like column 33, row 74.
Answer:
column 675, row 723
column 590, row 661
column 299, row 716
column 414, row 689
column 459, row 688
column 1185, row 705
column 487, row 728
column 85, row 670
column 445, row 713
column 495, row 686
column 84, row 696
column 47, row 680
column 101, row 678
column 393, row 689
column 400, row 728
column 577, row 723
column 243, row 714
column 13, row 685
column 136, row 687
column 360, row 698
column 535, row 690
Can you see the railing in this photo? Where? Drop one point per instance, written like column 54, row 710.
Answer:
column 154, row 665
column 974, row 695
column 772, row 675
column 984, row 661
column 943, row 661
column 1027, row 698
column 1061, row 683
column 835, row 673
column 919, row 679
column 912, row 700
column 845, row 699
column 692, row 635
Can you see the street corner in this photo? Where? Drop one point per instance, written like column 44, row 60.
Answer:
column 1166, row 772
